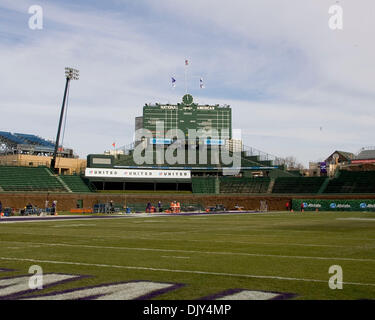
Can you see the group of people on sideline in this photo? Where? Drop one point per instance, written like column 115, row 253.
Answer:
column 175, row 207
column 30, row 209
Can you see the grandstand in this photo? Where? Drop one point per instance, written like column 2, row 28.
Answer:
column 18, row 141
column 34, row 140
column 10, row 139
column 352, row 182
column 75, row 183
column 294, row 185
column 204, row 185
column 24, row 143
column 244, row 185
column 21, row 149
column 40, row 179
column 30, row 179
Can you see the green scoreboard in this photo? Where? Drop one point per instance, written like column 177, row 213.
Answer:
column 188, row 115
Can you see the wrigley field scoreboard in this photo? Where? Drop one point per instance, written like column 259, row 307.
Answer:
column 188, row 115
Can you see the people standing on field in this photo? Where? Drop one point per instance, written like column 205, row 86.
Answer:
column 160, row 206
column 53, row 209
column 287, row 206
column 148, row 207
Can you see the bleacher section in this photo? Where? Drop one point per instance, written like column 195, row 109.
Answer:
column 298, row 184
column 352, row 182
column 10, row 138
column 29, row 179
column 33, row 139
column 203, row 184
column 244, row 185
column 23, row 139
column 75, row 183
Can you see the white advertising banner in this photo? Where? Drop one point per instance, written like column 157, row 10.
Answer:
column 137, row 173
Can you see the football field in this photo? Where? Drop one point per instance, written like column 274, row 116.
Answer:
column 274, row 255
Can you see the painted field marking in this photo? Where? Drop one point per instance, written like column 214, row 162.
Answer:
column 227, row 241
column 180, row 271
column 73, row 225
column 199, row 252
column 176, row 257
column 58, row 220
column 278, row 243
column 285, row 235
column 357, row 219
column 20, row 285
column 112, row 291
column 245, row 294
column 202, row 252
column 249, row 295
column 183, row 232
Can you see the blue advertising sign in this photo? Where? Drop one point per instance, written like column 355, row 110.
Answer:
column 160, row 141
column 214, row 142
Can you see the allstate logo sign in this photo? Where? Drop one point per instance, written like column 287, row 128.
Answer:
column 363, row 205
column 333, row 205
column 305, row 205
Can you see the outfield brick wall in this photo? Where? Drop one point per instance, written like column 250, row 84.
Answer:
column 67, row 201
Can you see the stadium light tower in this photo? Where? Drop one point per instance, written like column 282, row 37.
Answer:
column 70, row 74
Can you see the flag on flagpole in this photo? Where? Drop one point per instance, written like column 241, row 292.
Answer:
column 186, row 62
column 173, row 82
column 114, row 144
column 201, row 85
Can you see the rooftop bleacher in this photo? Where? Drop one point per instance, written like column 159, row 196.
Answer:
column 10, row 138
column 33, row 139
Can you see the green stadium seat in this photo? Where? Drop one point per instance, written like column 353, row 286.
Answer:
column 298, row 185
column 29, row 179
column 352, row 182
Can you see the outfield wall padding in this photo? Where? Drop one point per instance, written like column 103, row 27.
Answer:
column 334, row 204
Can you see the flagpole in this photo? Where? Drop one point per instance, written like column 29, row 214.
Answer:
column 186, row 65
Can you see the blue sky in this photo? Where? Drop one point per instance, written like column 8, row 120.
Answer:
column 283, row 71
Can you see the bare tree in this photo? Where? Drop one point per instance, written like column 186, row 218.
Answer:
column 291, row 162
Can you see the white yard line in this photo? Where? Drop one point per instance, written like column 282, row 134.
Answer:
column 199, row 252
column 357, row 219
column 225, row 241
column 178, row 271
column 284, row 235
column 73, row 225
column 176, row 257
column 279, row 243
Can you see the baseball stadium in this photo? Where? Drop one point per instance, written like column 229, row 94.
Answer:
column 168, row 216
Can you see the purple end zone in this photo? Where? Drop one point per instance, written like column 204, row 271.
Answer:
column 161, row 291
column 280, row 295
column 144, row 297
column 25, row 293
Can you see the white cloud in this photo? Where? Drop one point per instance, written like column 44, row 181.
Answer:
column 285, row 73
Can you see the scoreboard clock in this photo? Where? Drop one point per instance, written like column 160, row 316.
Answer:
column 187, row 99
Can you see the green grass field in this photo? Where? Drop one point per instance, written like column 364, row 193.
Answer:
column 275, row 251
